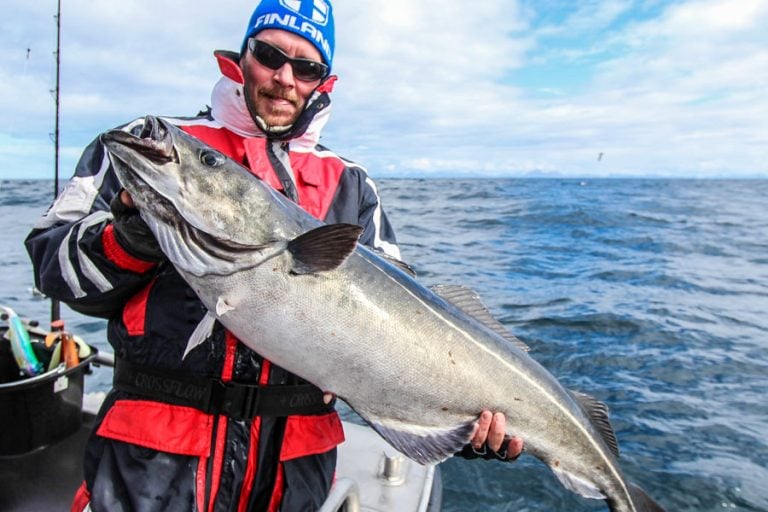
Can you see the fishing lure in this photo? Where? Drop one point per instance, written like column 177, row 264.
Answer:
column 21, row 346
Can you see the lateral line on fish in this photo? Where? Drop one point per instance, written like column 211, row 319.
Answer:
column 591, row 439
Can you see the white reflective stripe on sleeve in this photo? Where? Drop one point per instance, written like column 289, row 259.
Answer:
column 388, row 247
column 90, row 270
column 76, row 199
column 68, row 272
column 67, row 269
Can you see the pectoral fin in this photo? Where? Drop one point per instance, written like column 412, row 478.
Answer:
column 201, row 333
column 324, row 248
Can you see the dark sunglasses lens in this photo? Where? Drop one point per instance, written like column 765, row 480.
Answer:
column 268, row 56
column 308, row 70
column 271, row 57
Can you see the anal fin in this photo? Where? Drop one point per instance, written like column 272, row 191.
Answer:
column 578, row 485
column 425, row 445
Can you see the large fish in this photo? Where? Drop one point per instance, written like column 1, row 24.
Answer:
column 417, row 364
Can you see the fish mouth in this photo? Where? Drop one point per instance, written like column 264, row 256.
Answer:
column 142, row 159
column 154, row 142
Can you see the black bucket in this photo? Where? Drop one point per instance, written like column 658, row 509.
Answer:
column 38, row 411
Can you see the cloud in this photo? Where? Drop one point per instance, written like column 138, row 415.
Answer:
column 674, row 89
column 428, row 87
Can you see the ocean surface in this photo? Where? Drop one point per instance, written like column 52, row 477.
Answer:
column 651, row 295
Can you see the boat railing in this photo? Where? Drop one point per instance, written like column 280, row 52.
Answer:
column 104, row 359
column 344, row 496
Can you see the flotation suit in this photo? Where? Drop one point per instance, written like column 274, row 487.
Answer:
column 149, row 451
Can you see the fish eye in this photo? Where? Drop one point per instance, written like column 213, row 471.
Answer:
column 212, row 158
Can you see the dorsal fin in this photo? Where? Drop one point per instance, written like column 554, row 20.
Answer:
column 597, row 412
column 468, row 301
column 396, row 262
column 324, row 248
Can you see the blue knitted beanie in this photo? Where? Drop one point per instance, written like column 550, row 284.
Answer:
column 311, row 19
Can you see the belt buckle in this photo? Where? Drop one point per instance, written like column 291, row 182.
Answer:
column 237, row 401
column 251, row 401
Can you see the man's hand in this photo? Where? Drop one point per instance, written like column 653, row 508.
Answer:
column 489, row 433
column 131, row 232
column 488, row 440
column 126, row 199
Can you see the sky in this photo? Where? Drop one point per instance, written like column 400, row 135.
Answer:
column 427, row 88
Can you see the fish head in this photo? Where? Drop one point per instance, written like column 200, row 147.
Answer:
column 193, row 197
column 146, row 163
column 175, row 178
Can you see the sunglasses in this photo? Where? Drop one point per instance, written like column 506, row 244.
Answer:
column 306, row 70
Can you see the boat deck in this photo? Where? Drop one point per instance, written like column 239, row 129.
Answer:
column 371, row 476
column 45, row 479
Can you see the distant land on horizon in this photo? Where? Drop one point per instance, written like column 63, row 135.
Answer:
column 565, row 176
column 518, row 175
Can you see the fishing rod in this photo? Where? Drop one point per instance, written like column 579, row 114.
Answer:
column 55, row 305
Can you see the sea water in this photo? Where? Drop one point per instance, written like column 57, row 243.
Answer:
column 651, row 295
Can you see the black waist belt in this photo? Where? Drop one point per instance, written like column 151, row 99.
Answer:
column 213, row 396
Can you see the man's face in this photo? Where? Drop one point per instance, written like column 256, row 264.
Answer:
column 276, row 95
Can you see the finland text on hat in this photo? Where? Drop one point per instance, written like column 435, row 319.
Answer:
column 311, row 19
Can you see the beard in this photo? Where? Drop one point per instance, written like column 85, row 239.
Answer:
column 269, row 113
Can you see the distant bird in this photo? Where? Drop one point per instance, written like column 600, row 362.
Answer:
column 26, row 63
column 600, row 156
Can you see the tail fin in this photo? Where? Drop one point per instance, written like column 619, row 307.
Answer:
column 643, row 502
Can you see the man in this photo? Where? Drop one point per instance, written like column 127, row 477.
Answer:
column 154, row 447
